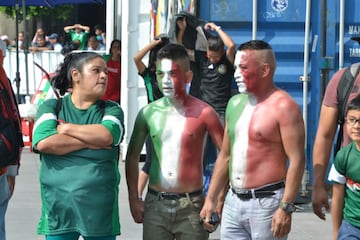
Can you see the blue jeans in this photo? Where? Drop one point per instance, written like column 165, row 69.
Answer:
column 4, row 200
column 249, row 219
column 347, row 231
column 75, row 236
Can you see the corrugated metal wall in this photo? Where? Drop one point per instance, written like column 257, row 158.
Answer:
column 282, row 24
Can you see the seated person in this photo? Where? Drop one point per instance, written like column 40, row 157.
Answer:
column 6, row 41
column 100, row 33
column 39, row 31
column 41, row 44
column 54, row 41
column 94, row 44
column 19, row 42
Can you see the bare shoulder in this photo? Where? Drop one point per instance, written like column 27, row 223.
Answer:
column 161, row 102
column 238, row 98
column 283, row 101
column 288, row 112
column 201, row 103
column 199, row 106
column 195, row 102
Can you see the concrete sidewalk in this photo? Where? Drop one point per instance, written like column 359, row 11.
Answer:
column 25, row 206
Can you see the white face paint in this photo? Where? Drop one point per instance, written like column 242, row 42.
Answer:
column 167, row 83
column 237, row 74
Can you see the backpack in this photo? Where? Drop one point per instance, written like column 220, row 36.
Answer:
column 11, row 140
column 343, row 92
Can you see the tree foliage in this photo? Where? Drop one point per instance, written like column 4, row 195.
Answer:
column 61, row 12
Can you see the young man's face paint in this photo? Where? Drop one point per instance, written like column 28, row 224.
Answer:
column 170, row 77
column 238, row 76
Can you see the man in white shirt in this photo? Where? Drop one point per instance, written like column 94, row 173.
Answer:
column 95, row 45
column 53, row 39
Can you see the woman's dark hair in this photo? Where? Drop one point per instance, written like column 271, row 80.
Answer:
column 62, row 79
column 112, row 44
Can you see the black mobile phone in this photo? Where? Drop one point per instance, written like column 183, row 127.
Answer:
column 214, row 219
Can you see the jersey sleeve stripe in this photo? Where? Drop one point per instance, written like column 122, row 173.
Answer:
column 335, row 176
column 43, row 118
column 118, row 123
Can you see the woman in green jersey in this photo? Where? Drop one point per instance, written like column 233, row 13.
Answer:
column 78, row 139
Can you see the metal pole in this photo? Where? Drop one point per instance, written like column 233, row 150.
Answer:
column 254, row 20
column 325, row 71
column 26, row 48
column 17, row 76
column 305, row 78
column 341, row 34
column 110, row 21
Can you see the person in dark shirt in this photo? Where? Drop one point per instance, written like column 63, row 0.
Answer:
column 216, row 73
column 41, row 44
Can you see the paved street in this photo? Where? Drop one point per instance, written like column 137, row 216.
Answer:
column 24, row 210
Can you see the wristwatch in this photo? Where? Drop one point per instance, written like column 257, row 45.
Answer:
column 287, row 207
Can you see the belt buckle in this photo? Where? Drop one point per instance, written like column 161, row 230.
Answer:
column 241, row 191
column 166, row 195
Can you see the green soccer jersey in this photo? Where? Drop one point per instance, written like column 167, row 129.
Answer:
column 79, row 190
column 82, row 37
column 345, row 170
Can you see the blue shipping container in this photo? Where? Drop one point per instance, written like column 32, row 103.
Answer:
column 303, row 69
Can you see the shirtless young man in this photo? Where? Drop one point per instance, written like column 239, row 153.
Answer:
column 264, row 129
column 177, row 124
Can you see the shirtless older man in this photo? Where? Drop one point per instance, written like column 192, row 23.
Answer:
column 264, row 130
column 177, row 124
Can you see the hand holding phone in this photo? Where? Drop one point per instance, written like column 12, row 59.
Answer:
column 214, row 221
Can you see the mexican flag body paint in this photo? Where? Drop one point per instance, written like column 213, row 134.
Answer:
column 238, row 115
column 177, row 151
column 177, row 129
